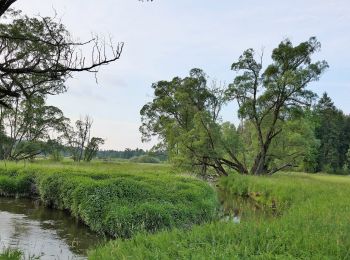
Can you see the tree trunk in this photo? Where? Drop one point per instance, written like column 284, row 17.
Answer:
column 259, row 166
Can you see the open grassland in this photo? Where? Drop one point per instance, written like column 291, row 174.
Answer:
column 116, row 199
column 292, row 216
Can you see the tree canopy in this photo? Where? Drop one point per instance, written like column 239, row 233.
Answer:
column 185, row 113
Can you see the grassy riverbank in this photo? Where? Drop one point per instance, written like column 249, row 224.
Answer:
column 117, row 199
column 290, row 216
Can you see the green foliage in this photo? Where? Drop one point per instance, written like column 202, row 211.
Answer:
column 312, row 225
column 80, row 143
column 145, row 159
column 92, row 148
column 118, row 200
column 126, row 154
column 267, row 98
column 31, row 45
column 54, row 149
column 333, row 131
column 32, row 122
column 297, row 144
column 14, row 184
column 185, row 114
column 11, row 254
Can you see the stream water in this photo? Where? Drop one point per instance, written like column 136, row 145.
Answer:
column 43, row 233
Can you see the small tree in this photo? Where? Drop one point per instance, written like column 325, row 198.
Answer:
column 82, row 146
column 92, row 148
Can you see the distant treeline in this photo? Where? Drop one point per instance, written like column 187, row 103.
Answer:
column 130, row 153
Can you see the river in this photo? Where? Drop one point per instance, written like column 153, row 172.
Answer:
column 38, row 231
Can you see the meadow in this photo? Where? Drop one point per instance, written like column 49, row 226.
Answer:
column 155, row 213
column 291, row 216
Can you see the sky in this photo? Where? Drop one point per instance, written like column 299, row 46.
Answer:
column 166, row 38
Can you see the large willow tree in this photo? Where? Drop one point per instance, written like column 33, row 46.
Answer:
column 185, row 112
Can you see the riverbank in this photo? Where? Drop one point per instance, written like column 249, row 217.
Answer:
column 115, row 199
column 307, row 217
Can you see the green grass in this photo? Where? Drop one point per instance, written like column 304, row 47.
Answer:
column 311, row 220
column 11, row 254
column 116, row 199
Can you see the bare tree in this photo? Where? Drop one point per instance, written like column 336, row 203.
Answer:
column 41, row 50
column 82, row 145
column 83, row 134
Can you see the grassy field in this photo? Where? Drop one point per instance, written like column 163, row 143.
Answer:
column 287, row 216
column 116, row 199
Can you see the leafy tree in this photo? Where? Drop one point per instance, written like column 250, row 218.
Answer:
column 266, row 98
column 185, row 112
column 333, row 132
column 28, row 126
column 92, row 148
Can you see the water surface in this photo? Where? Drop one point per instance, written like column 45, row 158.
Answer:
column 41, row 232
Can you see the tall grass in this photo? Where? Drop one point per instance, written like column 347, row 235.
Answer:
column 11, row 254
column 313, row 223
column 118, row 200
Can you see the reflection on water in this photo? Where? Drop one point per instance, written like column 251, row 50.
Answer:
column 42, row 232
column 246, row 207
